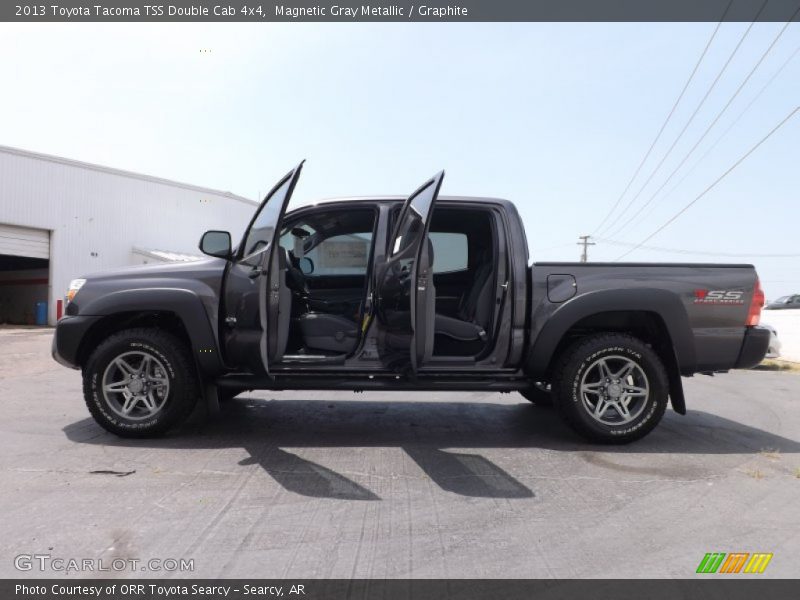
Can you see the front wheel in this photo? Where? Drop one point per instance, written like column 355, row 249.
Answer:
column 611, row 388
column 140, row 383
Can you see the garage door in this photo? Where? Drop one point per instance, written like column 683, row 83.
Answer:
column 23, row 241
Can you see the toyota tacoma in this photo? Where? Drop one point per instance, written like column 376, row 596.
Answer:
column 421, row 293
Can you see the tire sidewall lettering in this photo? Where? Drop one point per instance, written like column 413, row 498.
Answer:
column 577, row 401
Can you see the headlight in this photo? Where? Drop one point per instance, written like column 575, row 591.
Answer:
column 74, row 286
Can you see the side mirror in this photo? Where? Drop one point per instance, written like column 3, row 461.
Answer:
column 306, row 265
column 216, row 243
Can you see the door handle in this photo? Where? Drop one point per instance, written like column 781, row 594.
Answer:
column 255, row 272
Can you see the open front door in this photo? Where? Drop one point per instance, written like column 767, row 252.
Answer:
column 406, row 296
column 257, row 301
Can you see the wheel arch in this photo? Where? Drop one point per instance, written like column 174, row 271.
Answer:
column 657, row 317
column 179, row 312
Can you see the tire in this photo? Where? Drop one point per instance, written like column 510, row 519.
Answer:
column 593, row 402
column 539, row 393
column 159, row 397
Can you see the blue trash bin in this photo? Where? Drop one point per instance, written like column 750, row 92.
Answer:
column 40, row 312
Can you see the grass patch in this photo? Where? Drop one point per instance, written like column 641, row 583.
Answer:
column 770, row 453
column 755, row 473
column 775, row 364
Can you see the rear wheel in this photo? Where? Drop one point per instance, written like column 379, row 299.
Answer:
column 140, row 383
column 611, row 388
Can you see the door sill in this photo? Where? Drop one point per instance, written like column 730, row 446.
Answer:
column 316, row 359
column 450, row 361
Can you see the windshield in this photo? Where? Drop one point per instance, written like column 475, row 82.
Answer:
column 782, row 300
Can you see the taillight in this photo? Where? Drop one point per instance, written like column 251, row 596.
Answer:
column 757, row 302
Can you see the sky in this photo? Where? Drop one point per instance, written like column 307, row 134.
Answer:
column 555, row 117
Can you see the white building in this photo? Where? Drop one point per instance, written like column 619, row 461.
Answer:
column 60, row 219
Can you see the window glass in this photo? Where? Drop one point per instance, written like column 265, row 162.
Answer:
column 412, row 225
column 412, row 221
column 450, row 251
column 262, row 231
column 291, row 241
column 342, row 254
column 337, row 242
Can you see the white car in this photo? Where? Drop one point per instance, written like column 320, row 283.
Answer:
column 774, row 349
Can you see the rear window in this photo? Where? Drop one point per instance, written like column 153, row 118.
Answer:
column 342, row 254
column 450, row 251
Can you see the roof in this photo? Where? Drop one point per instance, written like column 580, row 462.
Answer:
column 398, row 198
column 165, row 255
column 120, row 172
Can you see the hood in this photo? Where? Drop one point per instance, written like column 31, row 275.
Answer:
column 150, row 287
column 192, row 269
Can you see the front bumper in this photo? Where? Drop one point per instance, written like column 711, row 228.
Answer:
column 754, row 347
column 70, row 333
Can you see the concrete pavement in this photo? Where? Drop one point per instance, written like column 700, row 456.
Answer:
column 322, row 484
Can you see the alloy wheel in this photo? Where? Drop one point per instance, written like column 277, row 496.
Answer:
column 135, row 385
column 614, row 390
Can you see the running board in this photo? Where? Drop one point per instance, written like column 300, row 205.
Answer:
column 323, row 359
column 383, row 382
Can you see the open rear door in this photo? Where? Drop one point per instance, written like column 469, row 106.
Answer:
column 406, row 296
column 256, row 304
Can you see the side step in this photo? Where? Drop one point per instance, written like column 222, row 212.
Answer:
column 323, row 359
column 362, row 382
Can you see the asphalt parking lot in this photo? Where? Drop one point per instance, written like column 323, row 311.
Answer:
column 324, row 484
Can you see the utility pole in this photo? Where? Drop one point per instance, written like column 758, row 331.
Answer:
column 585, row 243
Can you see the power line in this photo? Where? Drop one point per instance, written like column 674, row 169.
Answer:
column 710, row 127
column 554, row 247
column 697, row 252
column 667, row 120
column 710, row 187
column 691, row 118
column 727, row 130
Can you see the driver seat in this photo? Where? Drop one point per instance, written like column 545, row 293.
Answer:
column 328, row 332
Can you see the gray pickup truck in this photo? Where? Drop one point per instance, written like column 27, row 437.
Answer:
column 423, row 293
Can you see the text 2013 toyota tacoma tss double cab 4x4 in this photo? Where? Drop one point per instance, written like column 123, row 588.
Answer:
column 427, row 293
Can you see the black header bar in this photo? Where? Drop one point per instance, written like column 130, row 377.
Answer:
column 256, row 11
column 709, row 588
